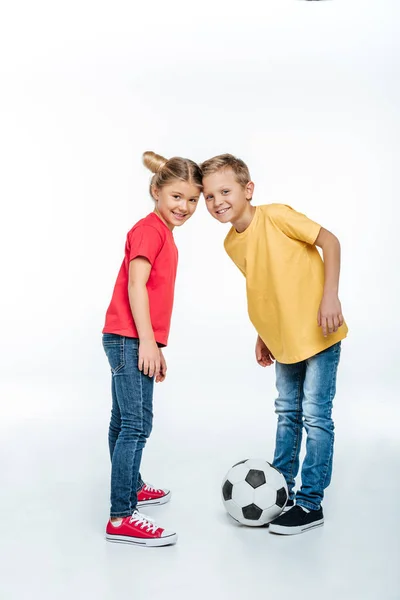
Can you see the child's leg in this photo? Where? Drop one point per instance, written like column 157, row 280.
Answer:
column 115, row 421
column 147, row 420
column 133, row 396
column 140, row 483
column 319, row 391
column 113, row 433
column 289, row 383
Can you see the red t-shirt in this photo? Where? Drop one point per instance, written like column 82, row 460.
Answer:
column 153, row 240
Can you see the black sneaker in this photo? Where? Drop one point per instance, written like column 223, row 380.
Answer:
column 289, row 504
column 297, row 520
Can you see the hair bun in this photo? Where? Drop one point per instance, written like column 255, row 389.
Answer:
column 154, row 161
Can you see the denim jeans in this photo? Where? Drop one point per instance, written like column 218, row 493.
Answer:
column 131, row 421
column 305, row 394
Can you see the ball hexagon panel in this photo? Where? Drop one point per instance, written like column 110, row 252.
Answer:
column 243, row 493
column 265, row 496
column 238, row 473
column 239, row 463
column 275, row 478
column 257, row 463
column 269, row 514
column 234, row 510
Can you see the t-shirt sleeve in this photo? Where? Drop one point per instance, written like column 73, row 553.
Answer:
column 234, row 259
column 294, row 224
column 145, row 241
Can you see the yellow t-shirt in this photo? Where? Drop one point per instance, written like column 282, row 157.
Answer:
column 284, row 279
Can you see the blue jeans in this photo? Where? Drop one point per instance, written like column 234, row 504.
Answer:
column 306, row 390
column 131, row 421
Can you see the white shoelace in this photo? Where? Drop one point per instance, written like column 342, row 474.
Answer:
column 150, row 488
column 143, row 522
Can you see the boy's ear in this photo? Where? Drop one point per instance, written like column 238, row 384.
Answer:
column 249, row 190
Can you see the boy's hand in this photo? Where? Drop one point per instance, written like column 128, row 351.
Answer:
column 149, row 358
column 264, row 356
column 162, row 373
column 330, row 316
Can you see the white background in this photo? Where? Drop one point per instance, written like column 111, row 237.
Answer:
column 308, row 95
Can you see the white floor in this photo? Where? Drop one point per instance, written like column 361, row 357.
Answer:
column 54, row 501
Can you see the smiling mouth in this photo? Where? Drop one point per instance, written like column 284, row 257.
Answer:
column 222, row 211
column 179, row 215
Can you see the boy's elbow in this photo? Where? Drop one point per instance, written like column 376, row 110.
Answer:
column 334, row 239
column 327, row 238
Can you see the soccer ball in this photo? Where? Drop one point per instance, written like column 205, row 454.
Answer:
column 254, row 492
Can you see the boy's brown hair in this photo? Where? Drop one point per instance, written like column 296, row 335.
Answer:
column 227, row 161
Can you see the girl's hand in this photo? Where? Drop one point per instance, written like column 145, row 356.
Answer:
column 264, row 356
column 161, row 375
column 330, row 316
column 149, row 357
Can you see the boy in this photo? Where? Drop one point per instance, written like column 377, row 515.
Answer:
column 294, row 306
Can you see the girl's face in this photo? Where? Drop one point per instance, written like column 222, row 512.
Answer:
column 176, row 202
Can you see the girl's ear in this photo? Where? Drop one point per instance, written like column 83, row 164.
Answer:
column 155, row 192
column 249, row 190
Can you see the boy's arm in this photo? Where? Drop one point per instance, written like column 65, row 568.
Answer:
column 149, row 354
column 330, row 316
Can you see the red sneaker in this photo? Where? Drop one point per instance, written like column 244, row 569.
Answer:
column 149, row 495
column 140, row 530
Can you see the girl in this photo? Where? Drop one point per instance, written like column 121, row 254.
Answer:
column 136, row 329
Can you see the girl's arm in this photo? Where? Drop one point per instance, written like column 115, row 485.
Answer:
column 330, row 316
column 149, row 353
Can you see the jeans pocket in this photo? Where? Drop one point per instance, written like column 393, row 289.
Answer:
column 115, row 352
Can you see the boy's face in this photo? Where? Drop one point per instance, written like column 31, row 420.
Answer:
column 226, row 199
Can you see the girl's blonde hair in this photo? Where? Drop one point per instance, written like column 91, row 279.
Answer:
column 165, row 170
column 227, row 161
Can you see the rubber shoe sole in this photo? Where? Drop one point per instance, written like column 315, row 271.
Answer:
column 156, row 501
column 282, row 530
column 168, row 540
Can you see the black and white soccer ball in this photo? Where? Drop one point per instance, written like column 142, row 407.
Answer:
column 254, row 492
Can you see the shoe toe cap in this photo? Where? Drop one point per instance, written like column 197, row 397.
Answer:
column 166, row 533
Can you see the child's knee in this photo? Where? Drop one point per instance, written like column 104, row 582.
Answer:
column 115, row 423
column 318, row 421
